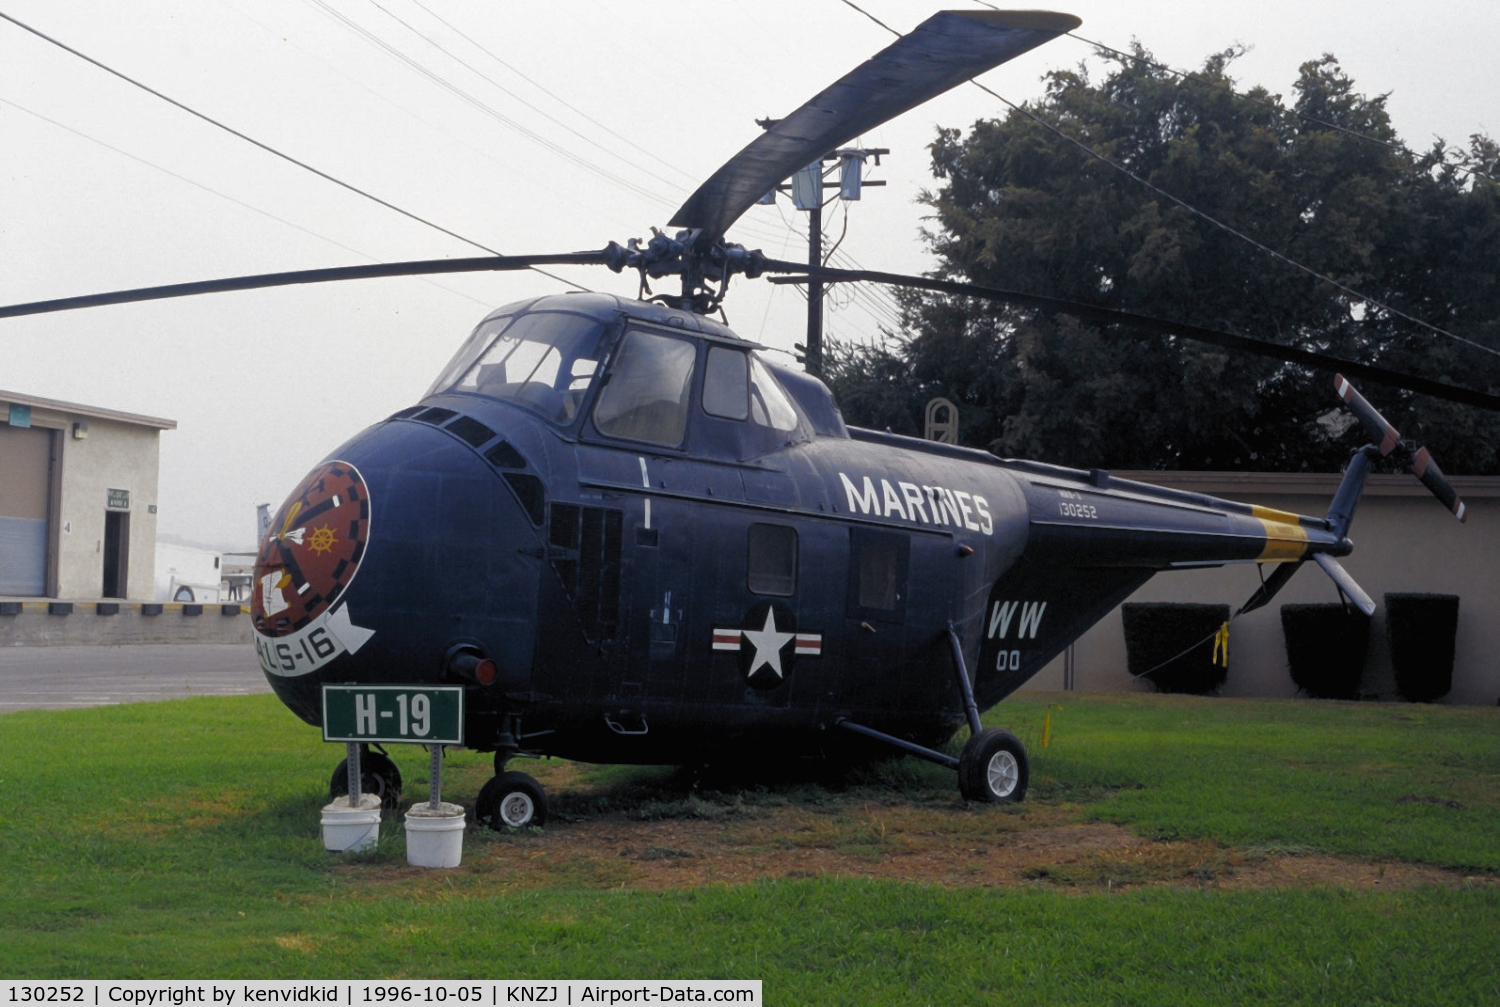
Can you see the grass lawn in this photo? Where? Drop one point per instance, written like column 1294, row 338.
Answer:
column 181, row 839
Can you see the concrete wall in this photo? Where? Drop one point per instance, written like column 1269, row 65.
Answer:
column 37, row 625
column 1404, row 540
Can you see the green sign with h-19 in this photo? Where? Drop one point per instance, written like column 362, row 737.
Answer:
column 415, row 714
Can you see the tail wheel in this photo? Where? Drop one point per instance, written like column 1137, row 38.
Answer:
column 511, row 801
column 993, row 768
column 378, row 775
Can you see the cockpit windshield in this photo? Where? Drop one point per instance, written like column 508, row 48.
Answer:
column 543, row 360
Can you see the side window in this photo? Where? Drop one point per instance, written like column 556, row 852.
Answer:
column 726, row 383
column 773, row 559
column 769, row 405
column 877, row 574
column 646, row 397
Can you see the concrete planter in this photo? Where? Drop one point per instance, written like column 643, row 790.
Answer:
column 435, row 836
column 1422, row 629
column 349, row 828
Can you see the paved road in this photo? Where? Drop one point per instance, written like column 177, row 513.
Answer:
column 60, row 678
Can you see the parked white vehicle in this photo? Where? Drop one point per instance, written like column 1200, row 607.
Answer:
column 185, row 573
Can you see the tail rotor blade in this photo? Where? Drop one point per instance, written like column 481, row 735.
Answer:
column 1425, row 469
column 1419, row 462
column 1375, row 424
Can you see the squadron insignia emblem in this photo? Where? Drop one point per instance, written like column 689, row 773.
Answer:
column 310, row 554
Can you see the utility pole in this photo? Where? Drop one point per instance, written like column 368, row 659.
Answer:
column 813, row 356
column 807, row 195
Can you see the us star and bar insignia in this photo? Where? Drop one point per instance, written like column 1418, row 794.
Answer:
column 770, row 632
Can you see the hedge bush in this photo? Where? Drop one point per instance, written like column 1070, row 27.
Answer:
column 1421, row 629
column 1326, row 647
column 1156, row 636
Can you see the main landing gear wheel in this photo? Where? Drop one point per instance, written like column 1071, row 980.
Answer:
column 377, row 775
column 511, row 801
column 993, row 768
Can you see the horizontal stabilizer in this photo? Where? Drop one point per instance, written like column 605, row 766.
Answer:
column 1270, row 586
column 1345, row 583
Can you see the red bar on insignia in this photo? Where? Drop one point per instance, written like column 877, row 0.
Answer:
column 809, row 644
column 726, row 639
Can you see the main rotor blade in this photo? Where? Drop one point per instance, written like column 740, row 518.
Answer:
column 419, row 267
column 942, row 52
column 1160, row 326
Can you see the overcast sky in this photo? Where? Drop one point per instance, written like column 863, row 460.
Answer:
column 104, row 187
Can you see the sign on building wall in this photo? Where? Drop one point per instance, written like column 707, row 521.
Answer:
column 19, row 416
column 118, row 499
column 942, row 422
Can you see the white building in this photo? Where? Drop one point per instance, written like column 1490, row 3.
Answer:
column 77, row 500
column 1405, row 541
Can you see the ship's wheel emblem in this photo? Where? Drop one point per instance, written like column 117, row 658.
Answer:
column 312, row 549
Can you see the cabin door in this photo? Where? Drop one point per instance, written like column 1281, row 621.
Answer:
column 899, row 594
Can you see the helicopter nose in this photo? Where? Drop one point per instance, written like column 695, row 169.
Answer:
column 407, row 544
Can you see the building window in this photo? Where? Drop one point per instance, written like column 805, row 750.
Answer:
column 772, row 560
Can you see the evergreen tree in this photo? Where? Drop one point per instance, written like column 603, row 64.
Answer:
column 1020, row 207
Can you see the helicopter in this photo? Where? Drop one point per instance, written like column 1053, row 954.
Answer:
column 631, row 538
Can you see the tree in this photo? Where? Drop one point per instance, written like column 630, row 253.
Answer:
column 1022, row 206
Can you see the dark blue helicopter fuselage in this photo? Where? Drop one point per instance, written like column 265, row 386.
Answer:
column 737, row 593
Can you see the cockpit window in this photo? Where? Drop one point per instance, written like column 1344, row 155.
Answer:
column 544, row 361
column 769, row 405
column 472, row 347
column 646, row 398
column 726, row 383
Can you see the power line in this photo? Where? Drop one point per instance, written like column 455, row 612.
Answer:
column 264, row 146
column 222, row 195
column 1204, row 216
column 502, row 88
column 1226, row 89
column 891, row 316
column 481, row 105
column 1399, row 148
column 279, row 34
column 1356, row 294
column 554, row 96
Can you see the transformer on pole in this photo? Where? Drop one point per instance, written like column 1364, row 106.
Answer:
column 807, row 187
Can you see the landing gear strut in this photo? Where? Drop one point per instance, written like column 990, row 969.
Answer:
column 993, row 768
column 511, row 801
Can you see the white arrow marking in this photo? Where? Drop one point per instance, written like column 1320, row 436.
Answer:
column 351, row 636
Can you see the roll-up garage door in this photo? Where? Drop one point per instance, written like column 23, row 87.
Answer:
column 25, row 482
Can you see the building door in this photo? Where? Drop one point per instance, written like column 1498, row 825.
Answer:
column 116, row 553
column 25, row 503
